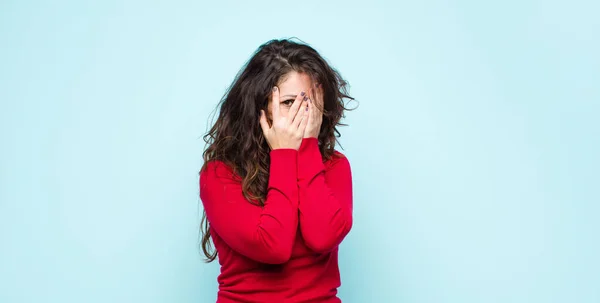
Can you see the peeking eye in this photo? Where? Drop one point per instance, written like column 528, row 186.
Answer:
column 288, row 102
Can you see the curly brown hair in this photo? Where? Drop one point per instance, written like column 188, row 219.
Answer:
column 236, row 137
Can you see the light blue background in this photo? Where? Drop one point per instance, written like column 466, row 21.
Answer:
column 475, row 147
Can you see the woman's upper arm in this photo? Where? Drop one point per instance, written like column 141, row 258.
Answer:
column 265, row 234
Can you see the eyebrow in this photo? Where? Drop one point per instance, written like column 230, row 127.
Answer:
column 289, row 96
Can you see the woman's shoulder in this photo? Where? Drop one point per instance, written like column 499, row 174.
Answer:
column 338, row 153
column 212, row 166
column 217, row 169
column 337, row 158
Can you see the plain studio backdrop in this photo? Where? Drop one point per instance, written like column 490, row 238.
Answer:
column 474, row 149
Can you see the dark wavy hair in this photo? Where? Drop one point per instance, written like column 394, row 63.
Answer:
column 237, row 139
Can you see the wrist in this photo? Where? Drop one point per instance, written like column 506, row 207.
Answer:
column 308, row 143
column 310, row 160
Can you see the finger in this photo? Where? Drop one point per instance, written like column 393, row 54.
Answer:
column 317, row 113
column 312, row 96
column 275, row 104
column 305, row 119
column 312, row 111
column 263, row 122
column 317, row 102
column 296, row 105
column 302, row 114
column 318, row 98
column 314, row 91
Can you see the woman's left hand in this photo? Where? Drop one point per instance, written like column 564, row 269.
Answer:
column 315, row 112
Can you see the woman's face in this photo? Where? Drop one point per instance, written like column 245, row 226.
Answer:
column 294, row 83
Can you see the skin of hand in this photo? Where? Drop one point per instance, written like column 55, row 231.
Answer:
column 287, row 129
column 315, row 112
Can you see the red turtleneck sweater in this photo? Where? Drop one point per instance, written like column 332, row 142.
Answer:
column 287, row 250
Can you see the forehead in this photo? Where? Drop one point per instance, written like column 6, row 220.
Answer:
column 294, row 83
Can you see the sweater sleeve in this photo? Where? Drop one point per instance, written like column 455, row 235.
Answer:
column 265, row 234
column 325, row 206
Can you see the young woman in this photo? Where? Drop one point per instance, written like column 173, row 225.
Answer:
column 277, row 195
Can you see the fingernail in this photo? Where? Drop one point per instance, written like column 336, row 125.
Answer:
column 302, row 94
column 304, row 98
column 274, row 88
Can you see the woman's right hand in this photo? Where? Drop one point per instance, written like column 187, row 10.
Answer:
column 286, row 131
